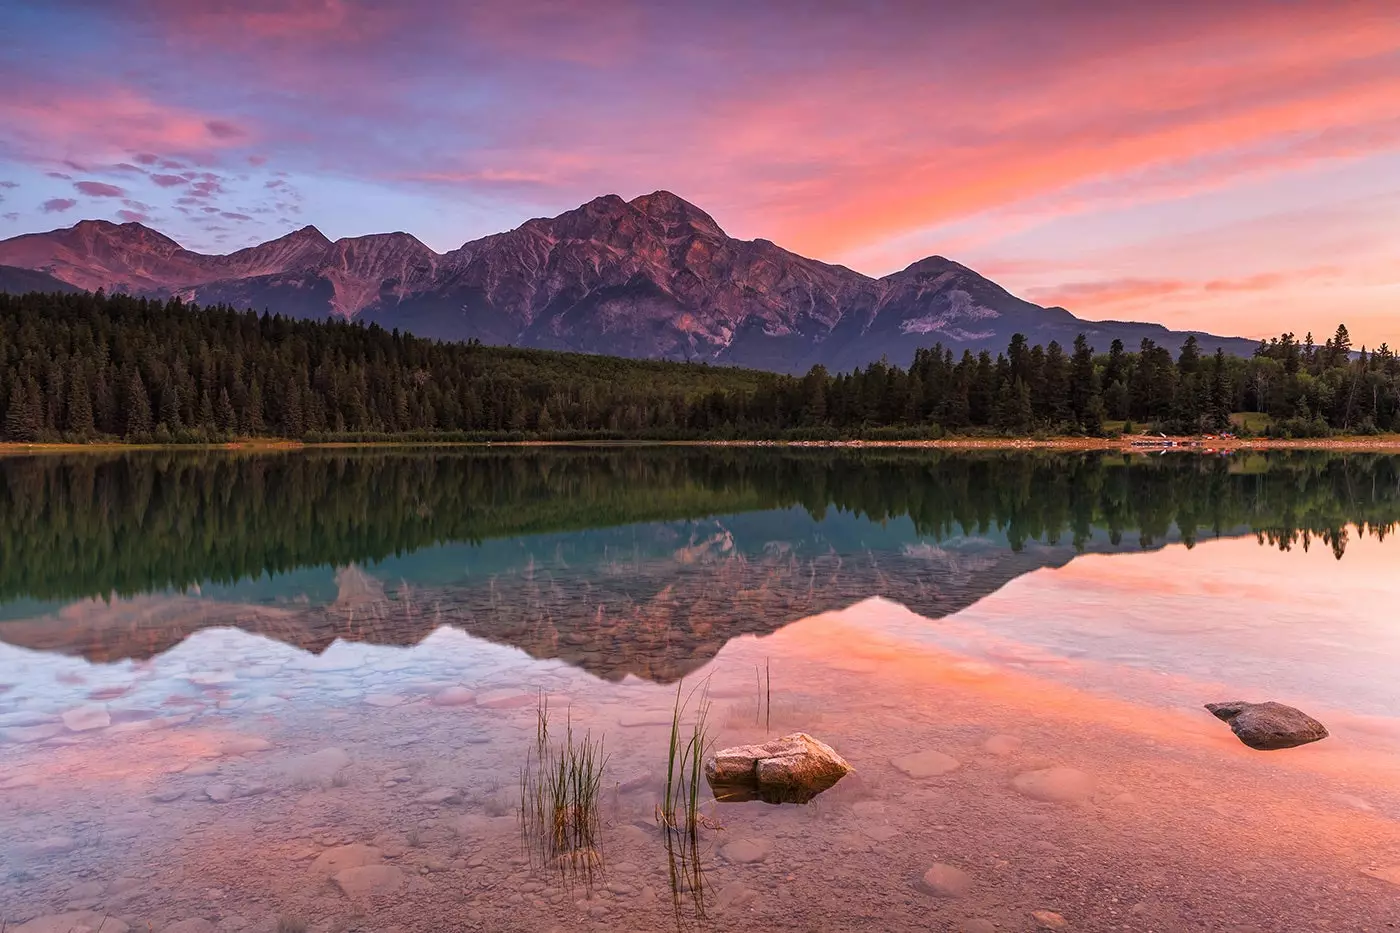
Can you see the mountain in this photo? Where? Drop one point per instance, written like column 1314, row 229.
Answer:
column 654, row 277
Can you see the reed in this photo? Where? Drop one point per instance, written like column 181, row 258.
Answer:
column 560, row 818
column 679, row 814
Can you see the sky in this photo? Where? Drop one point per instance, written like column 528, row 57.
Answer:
column 1232, row 167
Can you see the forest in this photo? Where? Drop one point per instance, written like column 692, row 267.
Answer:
column 97, row 367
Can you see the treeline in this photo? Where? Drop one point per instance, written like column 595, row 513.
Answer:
column 93, row 525
column 88, row 367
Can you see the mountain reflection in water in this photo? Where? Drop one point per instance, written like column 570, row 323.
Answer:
column 620, row 561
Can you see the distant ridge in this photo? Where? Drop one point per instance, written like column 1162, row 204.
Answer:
column 653, row 278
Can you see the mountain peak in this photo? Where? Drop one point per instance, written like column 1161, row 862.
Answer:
column 673, row 210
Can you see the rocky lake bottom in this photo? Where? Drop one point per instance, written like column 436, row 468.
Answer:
column 337, row 745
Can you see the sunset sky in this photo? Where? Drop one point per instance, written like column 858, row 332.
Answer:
column 1233, row 167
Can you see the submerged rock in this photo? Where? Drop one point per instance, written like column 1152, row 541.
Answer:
column 1269, row 726
column 792, row 769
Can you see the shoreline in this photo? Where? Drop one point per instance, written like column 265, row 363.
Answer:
column 1135, row 444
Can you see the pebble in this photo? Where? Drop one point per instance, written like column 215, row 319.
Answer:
column 50, row 845
column 944, row 880
column 1049, row 920
column 25, row 734
column 219, row 793
column 454, row 696
column 1390, row 874
column 926, row 764
column 506, row 699
column 338, row 859
column 87, row 718
column 747, row 851
column 191, row 925
column 440, row 795
column 1055, row 785
column 243, row 745
column 77, row 921
column 369, row 881
column 1002, row 745
column 169, row 795
column 383, row 700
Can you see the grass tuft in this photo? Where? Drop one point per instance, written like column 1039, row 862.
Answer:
column 560, row 819
column 679, row 814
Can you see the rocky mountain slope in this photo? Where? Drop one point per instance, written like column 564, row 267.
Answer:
column 654, row 277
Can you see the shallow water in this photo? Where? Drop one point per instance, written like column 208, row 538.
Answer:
column 217, row 672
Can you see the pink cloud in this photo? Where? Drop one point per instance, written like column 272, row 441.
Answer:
column 105, row 121
column 57, row 205
column 59, row 175
column 132, row 216
column 233, row 215
column 12, row 215
column 99, row 189
column 9, row 184
column 168, row 181
column 128, row 167
column 257, row 160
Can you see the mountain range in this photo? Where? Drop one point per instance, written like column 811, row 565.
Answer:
column 654, row 277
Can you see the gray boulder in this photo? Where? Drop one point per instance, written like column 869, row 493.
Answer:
column 792, row 769
column 1268, row 726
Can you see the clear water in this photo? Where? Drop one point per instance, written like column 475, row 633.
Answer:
column 217, row 671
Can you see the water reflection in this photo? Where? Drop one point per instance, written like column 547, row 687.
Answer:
column 638, row 562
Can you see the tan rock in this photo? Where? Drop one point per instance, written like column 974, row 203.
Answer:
column 1049, row 920
column 794, row 768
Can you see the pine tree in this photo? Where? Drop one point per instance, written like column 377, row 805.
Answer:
column 23, row 421
column 79, row 423
column 138, row 409
column 224, row 415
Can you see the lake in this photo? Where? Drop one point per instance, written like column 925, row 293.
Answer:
column 301, row 690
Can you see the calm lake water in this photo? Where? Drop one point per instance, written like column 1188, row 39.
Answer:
column 294, row 691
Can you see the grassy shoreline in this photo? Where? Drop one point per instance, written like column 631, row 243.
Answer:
column 1360, row 443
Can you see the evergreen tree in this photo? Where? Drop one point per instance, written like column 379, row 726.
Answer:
column 138, row 409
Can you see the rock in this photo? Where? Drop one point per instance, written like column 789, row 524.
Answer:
column 926, row 764
column 168, row 795
column 454, row 696
column 87, row 718
column 50, row 845
column 1002, row 745
column 946, row 881
column 792, row 769
column 369, row 881
column 1049, row 920
column 506, row 699
column 201, row 769
column 336, row 860
column 747, row 851
column 1391, row 874
column 243, row 745
column 192, row 925
column 1268, row 726
column 440, row 795
column 318, row 767
column 383, row 700
column 219, row 793
column 77, row 921
column 1055, row 785
column 633, row 719
column 26, row 734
